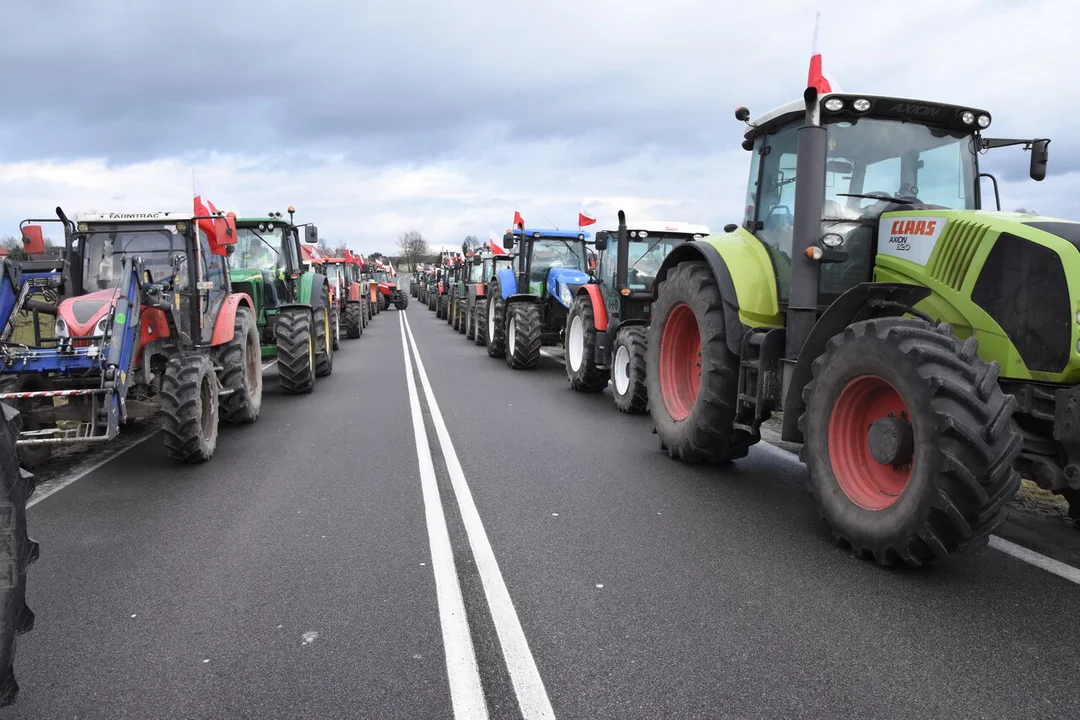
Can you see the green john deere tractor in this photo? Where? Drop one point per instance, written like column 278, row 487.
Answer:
column 294, row 313
column 920, row 348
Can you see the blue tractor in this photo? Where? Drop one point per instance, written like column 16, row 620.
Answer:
column 529, row 301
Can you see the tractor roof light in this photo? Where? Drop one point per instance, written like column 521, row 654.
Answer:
column 834, row 104
column 643, row 233
column 861, row 105
column 984, row 121
column 536, row 234
column 967, row 117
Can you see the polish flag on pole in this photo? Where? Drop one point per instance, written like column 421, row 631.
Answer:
column 584, row 218
column 202, row 207
column 495, row 244
column 817, row 77
column 518, row 220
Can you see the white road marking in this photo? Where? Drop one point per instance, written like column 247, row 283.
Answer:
column 466, row 692
column 1049, row 564
column 532, row 695
column 54, row 486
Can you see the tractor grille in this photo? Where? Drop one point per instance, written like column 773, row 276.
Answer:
column 954, row 251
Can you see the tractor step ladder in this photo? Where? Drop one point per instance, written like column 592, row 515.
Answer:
column 759, row 378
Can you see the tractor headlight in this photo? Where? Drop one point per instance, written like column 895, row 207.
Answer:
column 967, row 117
column 861, row 105
column 99, row 329
column 834, row 104
column 60, row 329
column 564, row 294
column 1078, row 346
column 984, row 121
column 832, row 240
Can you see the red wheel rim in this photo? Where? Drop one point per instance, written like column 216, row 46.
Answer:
column 867, row 483
column 680, row 362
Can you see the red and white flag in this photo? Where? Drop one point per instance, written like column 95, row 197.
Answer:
column 817, row 77
column 495, row 243
column 584, row 218
column 202, row 207
column 518, row 220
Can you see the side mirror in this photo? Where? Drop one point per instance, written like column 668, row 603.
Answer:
column 1040, row 154
column 225, row 230
column 742, row 114
column 602, row 239
column 508, row 241
column 842, row 167
column 33, row 240
column 311, row 235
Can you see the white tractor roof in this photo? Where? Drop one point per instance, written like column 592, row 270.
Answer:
column 134, row 217
column 662, row 226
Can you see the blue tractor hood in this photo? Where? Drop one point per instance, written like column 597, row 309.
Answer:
column 564, row 276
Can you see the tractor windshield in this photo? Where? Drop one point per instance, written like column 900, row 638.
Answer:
column 260, row 249
column 645, row 255
column 103, row 252
column 334, row 272
column 476, row 273
column 874, row 161
column 549, row 252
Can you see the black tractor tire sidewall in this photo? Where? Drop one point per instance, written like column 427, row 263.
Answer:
column 635, row 401
column 241, row 363
column 324, row 349
column 354, row 320
column 189, row 427
column 926, row 366
column 480, row 334
column 708, row 434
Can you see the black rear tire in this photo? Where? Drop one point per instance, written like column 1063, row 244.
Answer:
column 579, row 355
column 354, row 320
column 523, row 336
column 451, row 312
column 440, row 312
column 943, row 494
column 694, row 427
column 628, row 374
column 480, row 310
column 402, row 301
column 16, row 487
column 496, row 323
column 431, row 301
column 324, row 349
column 366, row 304
column 189, row 407
column 470, row 320
column 382, row 302
column 295, row 351
column 335, row 325
column 241, row 363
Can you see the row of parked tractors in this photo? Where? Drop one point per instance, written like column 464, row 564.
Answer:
column 922, row 349
column 167, row 315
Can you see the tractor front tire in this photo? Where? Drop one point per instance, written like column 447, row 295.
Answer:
column 324, row 348
column 523, row 336
column 480, row 319
column 382, row 302
column 580, row 351
column 354, row 320
column 440, row 312
column 496, row 323
column 16, row 487
column 241, row 371
column 628, row 374
column 402, row 301
column 295, row 351
column 910, row 441
column 693, row 376
column 367, row 311
column 432, row 303
column 189, row 407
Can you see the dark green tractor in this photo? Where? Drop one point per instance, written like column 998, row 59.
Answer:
column 295, row 315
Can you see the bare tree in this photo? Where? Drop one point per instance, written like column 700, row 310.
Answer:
column 413, row 248
column 470, row 244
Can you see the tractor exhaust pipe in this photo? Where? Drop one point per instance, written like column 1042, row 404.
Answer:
column 809, row 202
column 622, row 263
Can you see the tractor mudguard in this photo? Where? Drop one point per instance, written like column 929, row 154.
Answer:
column 225, row 325
column 476, row 291
column 600, row 316
column 354, row 293
column 862, row 302
column 523, row 297
column 507, row 282
column 292, row 306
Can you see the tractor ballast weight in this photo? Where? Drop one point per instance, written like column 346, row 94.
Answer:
column 897, row 337
column 529, row 302
column 294, row 312
column 608, row 320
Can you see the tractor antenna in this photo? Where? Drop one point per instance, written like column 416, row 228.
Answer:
column 551, row 223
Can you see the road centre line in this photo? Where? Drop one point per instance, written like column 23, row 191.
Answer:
column 51, row 488
column 466, row 691
column 528, row 685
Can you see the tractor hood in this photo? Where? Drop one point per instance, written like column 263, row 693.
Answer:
column 245, row 275
column 386, row 288
column 81, row 315
column 560, row 280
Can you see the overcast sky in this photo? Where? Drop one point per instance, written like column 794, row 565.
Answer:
column 374, row 118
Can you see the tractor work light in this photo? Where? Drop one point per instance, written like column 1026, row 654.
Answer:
column 60, row 329
column 967, row 117
column 83, row 227
column 861, row 105
column 832, row 240
column 1078, row 317
column 984, row 121
column 643, row 233
column 698, row 237
column 1078, row 346
column 536, row 234
column 581, row 236
column 181, row 227
column 834, row 104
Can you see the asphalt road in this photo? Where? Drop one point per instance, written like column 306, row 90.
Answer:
column 295, row 576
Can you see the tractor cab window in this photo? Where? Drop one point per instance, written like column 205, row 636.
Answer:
column 259, row 249
column 104, row 251
column 774, row 209
column 645, row 254
column 212, row 267
column 476, row 273
column 549, row 252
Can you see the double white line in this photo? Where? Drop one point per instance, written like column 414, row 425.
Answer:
column 466, row 692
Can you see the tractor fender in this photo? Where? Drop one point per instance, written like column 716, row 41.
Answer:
column 476, row 290
column 600, row 316
column 507, row 282
column 523, row 298
column 316, row 290
column 862, row 302
column 354, row 293
column 225, row 325
column 700, row 250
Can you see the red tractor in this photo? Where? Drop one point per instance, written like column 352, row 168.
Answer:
column 346, row 293
column 389, row 293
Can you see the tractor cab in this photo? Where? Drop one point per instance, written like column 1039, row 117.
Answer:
column 269, row 257
column 549, row 262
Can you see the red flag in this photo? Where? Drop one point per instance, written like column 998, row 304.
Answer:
column 518, row 220
column 496, row 245
column 203, row 207
column 348, row 256
column 817, row 78
column 583, row 220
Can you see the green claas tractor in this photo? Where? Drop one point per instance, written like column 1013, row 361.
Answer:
column 920, row 348
column 294, row 313
column 607, row 323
